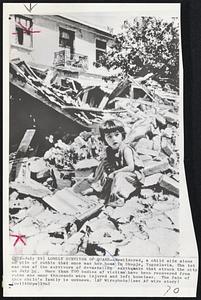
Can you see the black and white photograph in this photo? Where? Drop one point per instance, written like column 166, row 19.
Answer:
column 95, row 198
column 94, row 135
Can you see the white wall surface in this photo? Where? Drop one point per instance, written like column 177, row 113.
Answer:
column 46, row 42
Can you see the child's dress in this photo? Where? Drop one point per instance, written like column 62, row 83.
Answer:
column 123, row 183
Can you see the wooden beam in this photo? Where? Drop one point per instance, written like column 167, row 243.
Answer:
column 103, row 102
column 21, row 152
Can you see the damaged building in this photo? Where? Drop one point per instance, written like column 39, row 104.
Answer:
column 55, row 147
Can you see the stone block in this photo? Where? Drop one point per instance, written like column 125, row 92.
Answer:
column 146, row 159
column 86, row 164
column 169, row 184
column 161, row 120
column 156, row 167
column 146, row 151
column 156, row 143
column 144, row 143
column 171, row 117
column 168, row 132
column 137, row 133
column 166, row 146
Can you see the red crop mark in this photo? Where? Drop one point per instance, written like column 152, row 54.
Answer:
column 26, row 30
column 18, row 237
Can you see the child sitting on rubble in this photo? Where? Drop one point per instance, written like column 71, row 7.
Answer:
column 117, row 168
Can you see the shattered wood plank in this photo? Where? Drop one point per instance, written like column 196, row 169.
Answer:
column 30, row 92
column 84, row 97
column 142, row 87
column 137, row 101
column 91, row 109
column 169, row 184
column 103, row 102
column 25, row 142
column 119, row 89
column 21, row 151
column 167, row 95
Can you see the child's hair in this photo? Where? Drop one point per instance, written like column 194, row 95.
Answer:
column 111, row 125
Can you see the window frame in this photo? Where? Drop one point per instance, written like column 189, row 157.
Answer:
column 100, row 49
column 16, row 43
column 72, row 49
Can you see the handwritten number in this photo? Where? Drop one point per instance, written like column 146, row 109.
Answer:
column 169, row 287
column 176, row 290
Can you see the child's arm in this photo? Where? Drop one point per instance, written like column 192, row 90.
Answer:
column 128, row 155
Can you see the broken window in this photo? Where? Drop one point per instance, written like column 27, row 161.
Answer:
column 66, row 39
column 23, row 27
column 100, row 49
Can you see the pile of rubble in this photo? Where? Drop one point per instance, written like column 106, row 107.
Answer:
column 66, row 96
column 47, row 207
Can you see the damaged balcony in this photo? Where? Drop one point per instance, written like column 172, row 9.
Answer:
column 73, row 61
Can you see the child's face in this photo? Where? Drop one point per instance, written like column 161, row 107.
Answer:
column 114, row 139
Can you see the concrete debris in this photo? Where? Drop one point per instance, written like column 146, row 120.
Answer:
column 166, row 146
column 55, row 202
column 171, row 117
column 38, row 191
column 146, row 193
column 152, row 179
column 145, row 151
column 156, row 167
column 169, row 184
column 167, row 205
column 161, row 120
column 169, row 245
column 86, row 164
column 66, row 201
column 168, row 132
column 157, row 143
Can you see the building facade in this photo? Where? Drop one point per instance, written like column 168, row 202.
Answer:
column 59, row 42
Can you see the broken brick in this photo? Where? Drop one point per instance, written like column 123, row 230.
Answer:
column 171, row 117
column 169, row 184
column 166, row 146
column 160, row 120
column 156, row 167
